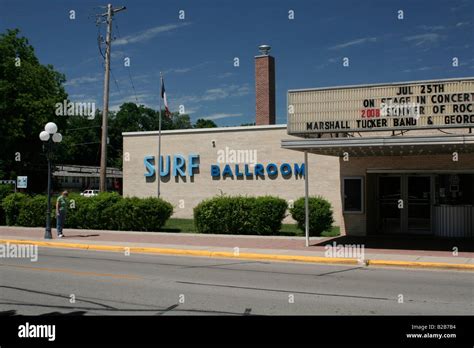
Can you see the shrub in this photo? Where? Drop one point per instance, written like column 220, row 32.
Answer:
column 240, row 215
column 320, row 214
column 77, row 211
column 146, row 214
column 270, row 212
column 5, row 190
column 12, row 205
column 88, row 212
column 226, row 215
column 33, row 211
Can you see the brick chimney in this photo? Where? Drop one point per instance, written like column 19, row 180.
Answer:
column 264, row 87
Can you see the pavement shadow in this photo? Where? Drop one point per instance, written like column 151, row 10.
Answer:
column 7, row 313
column 422, row 243
column 82, row 235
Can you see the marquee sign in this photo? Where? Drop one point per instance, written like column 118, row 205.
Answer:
column 397, row 106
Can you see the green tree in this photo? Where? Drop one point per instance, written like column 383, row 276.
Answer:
column 180, row 121
column 138, row 118
column 81, row 140
column 29, row 92
column 203, row 123
column 130, row 118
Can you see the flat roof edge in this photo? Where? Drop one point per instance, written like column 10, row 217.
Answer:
column 380, row 84
column 207, row 130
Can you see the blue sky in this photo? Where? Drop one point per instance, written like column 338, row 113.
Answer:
column 197, row 54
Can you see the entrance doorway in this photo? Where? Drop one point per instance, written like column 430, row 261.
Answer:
column 404, row 204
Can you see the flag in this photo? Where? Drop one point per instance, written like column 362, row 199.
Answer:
column 163, row 96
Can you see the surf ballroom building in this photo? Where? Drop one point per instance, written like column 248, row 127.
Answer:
column 390, row 158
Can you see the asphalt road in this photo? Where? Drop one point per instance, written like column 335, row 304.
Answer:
column 111, row 283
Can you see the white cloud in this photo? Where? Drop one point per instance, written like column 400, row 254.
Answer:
column 219, row 116
column 353, row 43
column 213, row 94
column 83, row 79
column 225, row 92
column 224, row 75
column 185, row 69
column 115, row 107
column 432, row 27
column 423, row 39
column 148, row 34
column 423, row 68
column 117, row 54
column 327, row 63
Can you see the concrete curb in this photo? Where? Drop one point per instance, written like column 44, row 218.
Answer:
column 251, row 256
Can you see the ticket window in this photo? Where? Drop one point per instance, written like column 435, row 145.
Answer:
column 454, row 189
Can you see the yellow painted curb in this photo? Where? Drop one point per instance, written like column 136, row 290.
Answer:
column 439, row 265
column 189, row 252
column 252, row 256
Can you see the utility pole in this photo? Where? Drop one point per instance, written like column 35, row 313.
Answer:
column 103, row 145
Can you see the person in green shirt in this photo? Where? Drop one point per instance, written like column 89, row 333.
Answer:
column 61, row 210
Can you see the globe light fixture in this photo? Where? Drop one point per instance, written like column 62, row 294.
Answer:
column 44, row 136
column 51, row 127
column 49, row 136
column 57, row 137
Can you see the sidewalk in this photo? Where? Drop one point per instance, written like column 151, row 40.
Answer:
column 250, row 247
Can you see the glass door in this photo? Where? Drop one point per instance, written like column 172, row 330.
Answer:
column 418, row 204
column 389, row 194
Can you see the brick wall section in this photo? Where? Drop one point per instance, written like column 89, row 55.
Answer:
column 265, row 90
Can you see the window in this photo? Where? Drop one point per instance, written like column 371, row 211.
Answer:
column 353, row 195
column 454, row 189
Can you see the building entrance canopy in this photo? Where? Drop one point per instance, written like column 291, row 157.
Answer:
column 384, row 146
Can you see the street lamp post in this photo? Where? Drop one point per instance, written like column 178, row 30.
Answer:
column 50, row 135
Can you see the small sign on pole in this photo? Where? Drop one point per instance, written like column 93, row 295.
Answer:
column 22, row 182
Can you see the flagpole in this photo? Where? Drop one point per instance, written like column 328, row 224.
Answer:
column 158, row 176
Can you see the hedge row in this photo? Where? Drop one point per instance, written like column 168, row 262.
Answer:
column 259, row 215
column 217, row 215
column 105, row 211
column 240, row 215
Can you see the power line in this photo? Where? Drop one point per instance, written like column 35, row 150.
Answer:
column 70, row 129
column 129, row 73
column 99, row 36
column 95, row 142
column 99, row 42
column 116, row 83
